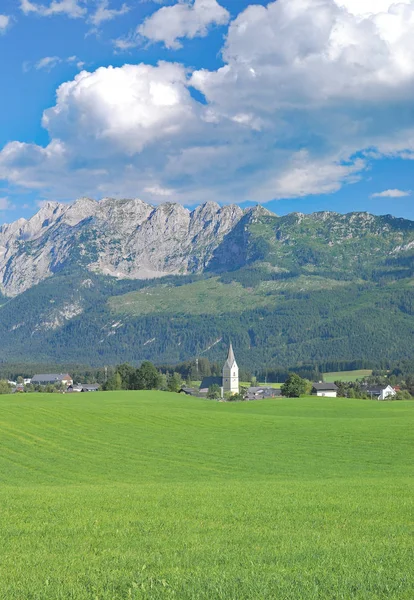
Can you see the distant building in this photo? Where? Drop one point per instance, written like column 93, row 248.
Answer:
column 382, row 392
column 80, row 387
column 231, row 374
column 208, row 382
column 327, row 390
column 261, row 392
column 75, row 388
column 229, row 382
column 52, row 379
column 188, row 391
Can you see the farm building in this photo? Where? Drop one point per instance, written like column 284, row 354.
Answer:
column 327, row 390
column 80, row 387
column 261, row 392
column 52, row 379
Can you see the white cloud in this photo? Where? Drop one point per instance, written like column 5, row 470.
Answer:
column 392, row 194
column 71, row 8
column 5, row 204
column 48, row 62
column 4, row 23
column 103, row 13
column 186, row 19
column 310, row 93
column 121, row 110
column 156, row 190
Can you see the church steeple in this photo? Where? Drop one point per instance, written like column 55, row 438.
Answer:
column 231, row 373
column 230, row 356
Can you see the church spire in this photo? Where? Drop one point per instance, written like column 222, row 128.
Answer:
column 230, row 356
column 231, row 373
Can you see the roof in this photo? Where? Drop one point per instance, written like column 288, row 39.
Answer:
column 50, row 377
column 376, row 389
column 325, row 387
column 187, row 390
column 209, row 381
column 91, row 386
column 265, row 391
column 230, row 356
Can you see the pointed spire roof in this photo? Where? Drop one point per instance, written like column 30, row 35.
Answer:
column 230, row 356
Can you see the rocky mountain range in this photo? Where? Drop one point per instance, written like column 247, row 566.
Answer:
column 131, row 239
column 115, row 280
column 121, row 238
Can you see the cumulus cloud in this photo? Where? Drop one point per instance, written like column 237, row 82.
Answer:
column 186, row 19
column 4, row 23
column 310, row 92
column 392, row 194
column 71, row 8
column 121, row 110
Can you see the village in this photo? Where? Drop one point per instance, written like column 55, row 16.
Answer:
column 225, row 387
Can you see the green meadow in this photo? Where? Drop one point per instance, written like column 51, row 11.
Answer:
column 346, row 375
column 150, row 495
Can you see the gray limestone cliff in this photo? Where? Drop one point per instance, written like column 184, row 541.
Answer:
column 121, row 238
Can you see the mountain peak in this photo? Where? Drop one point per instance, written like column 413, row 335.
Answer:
column 129, row 238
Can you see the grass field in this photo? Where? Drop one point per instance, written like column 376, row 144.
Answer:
column 149, row 495
column 346, row 375
column 211, row 296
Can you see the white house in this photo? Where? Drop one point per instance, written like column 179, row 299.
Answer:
column 382, row 392
column 327, row 390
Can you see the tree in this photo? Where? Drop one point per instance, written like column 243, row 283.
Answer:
column 174, row 383
column 163, row 385
column 214, row 392
column 114, row 382
column 294, row 386
column 236, row 398
column 4, row 387
column 342, row 389
column 147, row 377
column 127, row 373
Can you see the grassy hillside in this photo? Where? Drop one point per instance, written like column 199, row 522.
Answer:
column 212, row 296
column 346, row 375
column 150, row 496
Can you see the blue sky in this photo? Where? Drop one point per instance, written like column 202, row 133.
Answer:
column 296, row 106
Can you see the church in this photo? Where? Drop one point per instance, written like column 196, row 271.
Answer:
column 229, row 382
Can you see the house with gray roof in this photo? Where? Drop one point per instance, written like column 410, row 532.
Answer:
column 261, row 392
column 326, row 390
column 52, row 379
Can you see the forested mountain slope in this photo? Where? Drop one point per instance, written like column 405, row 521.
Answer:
column 286, row 290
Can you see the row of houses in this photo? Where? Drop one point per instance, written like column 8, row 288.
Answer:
column 63, row 379
column 320, row 389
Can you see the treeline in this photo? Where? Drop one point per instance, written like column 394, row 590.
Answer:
column 198, row 368
column 358, row 390
column 145, row 377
